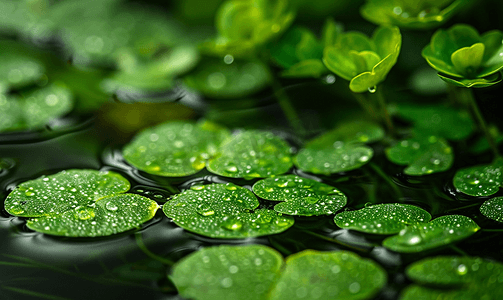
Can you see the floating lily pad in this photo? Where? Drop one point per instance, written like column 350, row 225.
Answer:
column 107, row 216
column 224, row 211
column 17, row 71
column 55, row 194
column 493, row 209
column 252, row 154
column 387, row 218
column 340, row 149
column 423, row 155
column 329, row 275
column 35, row 109
column 451, row 277
column 439, row 232
column 217, row 79
column 174, row 148
column 303, row 196
column 439, row 120
column 228, row 272
column 481, row 180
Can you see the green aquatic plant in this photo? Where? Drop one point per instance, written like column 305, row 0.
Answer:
column 493, row 209
column 422, row 14
column 423, row 155
column 80, row 203
column 301, row 196
column 17, row 70
column 453, row 277
column 480, row 180
column 224, row 211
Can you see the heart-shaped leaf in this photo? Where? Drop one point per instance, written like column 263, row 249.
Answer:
column 387, row 218
column 452, row 277
column 481, row 180
column 107, row 216
column 438, row 232
column 303, row 196
column 228, row 272
column 55, row 194
column 493, row 209
column 329, row 275
column 423, row 154
column 175, row 148
column 252, row 154
column 224, row 211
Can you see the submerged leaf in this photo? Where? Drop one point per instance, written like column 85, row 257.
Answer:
column 423, row 154
column 109, row 215
column 329, row 275
column 174, row 148
column 224, row 211
column 228, row 272
column 493, row 209
column 252, row 154
column 387, row 218
column 439, row 232
column 481, row 180
column 303, row 196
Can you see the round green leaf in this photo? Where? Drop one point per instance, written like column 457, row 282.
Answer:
column 107, row 216
column 493, row 209
column 329, row 275
column 217, row 79
column 66, row 190
column 306, row 68
column 439, row 232
column 303, row 196
column 423, row 154
column 452, row 277
column 481, row 180
column 17, row 71
column 174, row 148
column 387, row 218
column 348, row 132
column 224, row 211
column 252, row 154
column 228, row 272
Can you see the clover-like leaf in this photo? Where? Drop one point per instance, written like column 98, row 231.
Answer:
column 452, row 277
column 175, row 148
column 217, row 79
column 35, row 109
column 340, row 149
column 439, row 120
column 364, row 62
column 423, row 155
column 493, row 209
column 17, row 71
column 420, row 14
column 224, row 211
column 438, row 232
column 464, row 58
column 480, row 180
column 387, row 218
column 228, row 272
column 107, row 216
column 55, row 194
column 252, row 154
column 329, row 275
column 302, row 196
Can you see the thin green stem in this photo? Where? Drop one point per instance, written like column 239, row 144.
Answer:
column 458, row 250
column 462, row 207
column 143, row 247
column 383, row 175
column 384, row 111
column 366, row 105
column 279, row 247
column 480, row 119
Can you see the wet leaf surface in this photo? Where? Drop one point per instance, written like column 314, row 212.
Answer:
column 480, row 180
column 252, row 154
column 228, row 272
column 452, row 277
column 303, row 196
column 329, row 275
column 436, row 233
column 493, row 209
column 388, row 218
column 224, row 211
column 18, row 71
column 423, row 155
column 174, row 148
